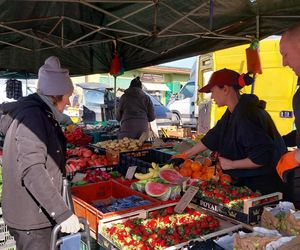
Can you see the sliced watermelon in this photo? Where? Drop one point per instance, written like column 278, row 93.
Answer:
column 171, row 176
column 158, row 190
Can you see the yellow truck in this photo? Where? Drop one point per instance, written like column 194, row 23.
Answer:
column 276, row 85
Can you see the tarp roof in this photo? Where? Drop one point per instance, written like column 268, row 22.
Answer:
column 82, row 33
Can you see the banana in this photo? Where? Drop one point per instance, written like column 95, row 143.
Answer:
column 141, row 176
column 154, row 165
column 154, row 172
column 167, row 166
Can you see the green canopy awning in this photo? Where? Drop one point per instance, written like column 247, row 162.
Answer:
column 85, row 33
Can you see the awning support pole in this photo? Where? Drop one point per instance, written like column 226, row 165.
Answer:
column 115, row 96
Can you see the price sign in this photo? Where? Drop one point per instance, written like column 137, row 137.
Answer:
column 130, row 172
column 186, row 199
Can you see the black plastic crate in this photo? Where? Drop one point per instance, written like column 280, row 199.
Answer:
column 142, row 159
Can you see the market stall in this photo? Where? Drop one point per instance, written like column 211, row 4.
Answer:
column 238, row 215
column 85, row 35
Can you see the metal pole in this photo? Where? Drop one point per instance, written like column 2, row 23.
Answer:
column 115, row 96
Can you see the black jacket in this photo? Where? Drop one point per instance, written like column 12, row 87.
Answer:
column 247, row 132
column 33, row 165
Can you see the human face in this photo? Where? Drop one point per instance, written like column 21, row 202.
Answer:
column 60, row 105
column 218, row 95
column 290, row 51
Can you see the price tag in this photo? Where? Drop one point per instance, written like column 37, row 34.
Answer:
column 130, row 172
column 186, row 199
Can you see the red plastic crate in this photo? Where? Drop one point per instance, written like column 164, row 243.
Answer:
column 83, row 197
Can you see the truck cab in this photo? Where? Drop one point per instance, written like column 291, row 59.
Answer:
column 276, row 85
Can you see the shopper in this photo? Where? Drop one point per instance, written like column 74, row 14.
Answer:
column 34, row 161
column 246, row 139
column 135, row 111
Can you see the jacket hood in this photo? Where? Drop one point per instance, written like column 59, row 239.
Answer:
column 134, row 91
column 248, row 100
column 12, row 109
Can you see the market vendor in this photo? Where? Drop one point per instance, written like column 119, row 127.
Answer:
column 246, row 138
column 288, row 167
column 135, row 111
column 34, row 161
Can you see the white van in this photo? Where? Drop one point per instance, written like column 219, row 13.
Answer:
column 184, row 104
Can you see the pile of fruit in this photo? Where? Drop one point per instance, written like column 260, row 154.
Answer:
column 121, row 145
column 162, row 229
column 163, row 183
column 76, row 136
column 223, row 193
column 197, row 169
column 81, row 158
column 202, row 169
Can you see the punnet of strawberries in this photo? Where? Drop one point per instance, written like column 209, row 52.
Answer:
column 226, row 194
column 163, row 228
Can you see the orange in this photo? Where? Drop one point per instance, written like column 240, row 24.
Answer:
column 196, row 166
column 210, row 172
column 207, row 162
column 187, row 172
column 197, row 175
column 187, row 163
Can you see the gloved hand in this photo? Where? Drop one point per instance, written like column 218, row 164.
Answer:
column 286, row 162
column 178, row 159
column 70, row 225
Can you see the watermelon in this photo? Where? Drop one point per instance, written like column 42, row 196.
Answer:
column 171, row 176
column 158, row 190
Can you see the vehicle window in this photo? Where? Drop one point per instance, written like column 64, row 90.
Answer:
column 94, row 98
column 155, row 101
column 187, row 90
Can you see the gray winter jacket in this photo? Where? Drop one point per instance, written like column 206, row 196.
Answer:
column 33, row 165
column 135, row 111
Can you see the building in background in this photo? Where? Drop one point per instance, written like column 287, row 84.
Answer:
column 159, row 81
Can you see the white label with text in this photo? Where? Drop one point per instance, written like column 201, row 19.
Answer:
column 186, row 199
column 130, row 172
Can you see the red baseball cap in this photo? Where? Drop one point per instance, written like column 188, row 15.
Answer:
column 221, row 78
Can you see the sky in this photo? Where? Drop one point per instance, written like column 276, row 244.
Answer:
column 183, row 63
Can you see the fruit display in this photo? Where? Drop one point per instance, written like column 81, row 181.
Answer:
column 225, row 194
column 200, row 169
column 115, row 205
column 154, row 171
column 161, row 229
column 161, row 183
column 121, row 145
column 81, row 158
column 76, row 136
column 96, row 175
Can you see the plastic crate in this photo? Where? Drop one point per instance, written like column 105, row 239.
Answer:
column 95, row 134
column 142, row 159
column 226, row 227
column 83, row 197
column 7, row 241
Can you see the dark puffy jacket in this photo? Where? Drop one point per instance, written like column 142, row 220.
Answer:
column 135, row 111
column 33, row 165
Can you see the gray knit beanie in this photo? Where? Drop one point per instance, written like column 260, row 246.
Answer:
column 53, row 80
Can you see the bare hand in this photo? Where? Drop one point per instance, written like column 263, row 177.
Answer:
column 225, row 163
